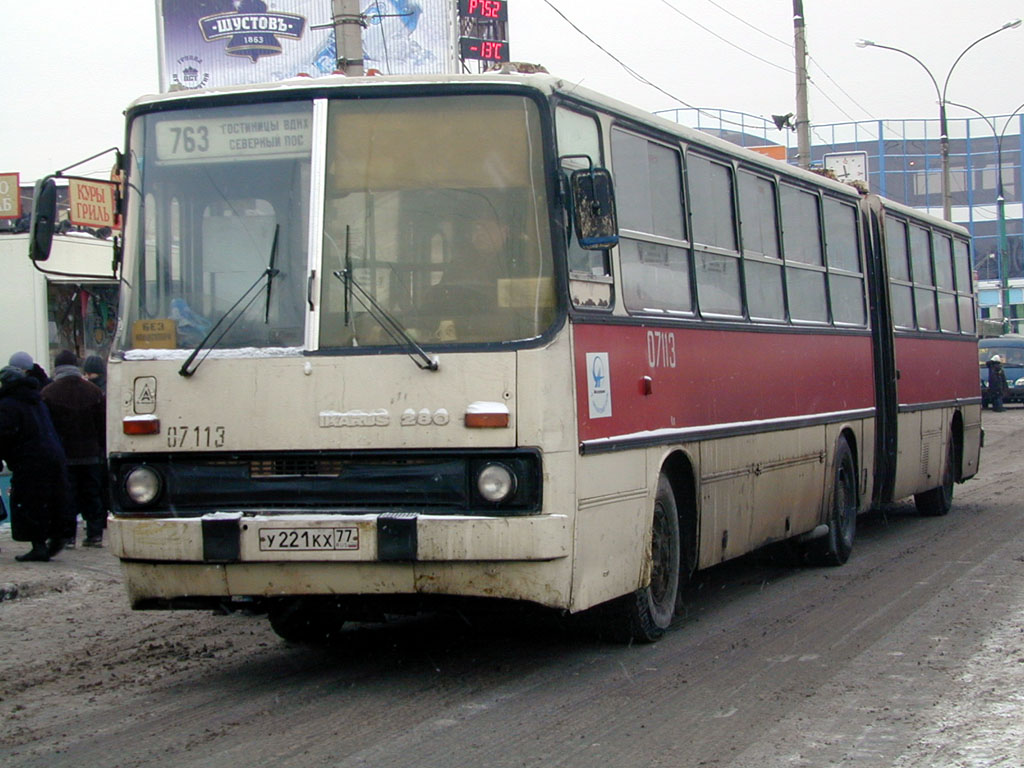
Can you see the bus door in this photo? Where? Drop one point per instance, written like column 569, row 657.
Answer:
column 886, row 373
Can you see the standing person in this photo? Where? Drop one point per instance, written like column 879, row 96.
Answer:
column 31, row 449
column 96, row 371
column 997, row 385
column 32, row 369
column 78, row 409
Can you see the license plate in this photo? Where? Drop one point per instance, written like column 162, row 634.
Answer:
column 309, row 539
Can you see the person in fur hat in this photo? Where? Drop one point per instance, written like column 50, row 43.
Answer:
column 78, row 409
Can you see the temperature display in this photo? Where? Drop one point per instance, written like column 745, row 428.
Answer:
column 485, row 50
column 490, row 10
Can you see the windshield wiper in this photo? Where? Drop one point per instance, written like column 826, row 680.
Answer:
column 391, row 326
column 268, row 274
column 271, row 272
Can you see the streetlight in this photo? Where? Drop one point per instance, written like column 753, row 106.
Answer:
column 947, row 202
column 1004, row 266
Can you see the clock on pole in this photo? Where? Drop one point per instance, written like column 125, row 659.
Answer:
column 848, row 166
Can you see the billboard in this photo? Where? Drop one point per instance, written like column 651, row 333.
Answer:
column 92, row 203
column 213, row 43
column 10, row 196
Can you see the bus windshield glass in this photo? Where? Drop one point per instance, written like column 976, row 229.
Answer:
column 436, row 208
column 220, row 202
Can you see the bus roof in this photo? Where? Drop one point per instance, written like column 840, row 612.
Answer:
column 544, row 83
column 916, row 214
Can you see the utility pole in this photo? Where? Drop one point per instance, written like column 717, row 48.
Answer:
column 348, row 36
column 803, row 123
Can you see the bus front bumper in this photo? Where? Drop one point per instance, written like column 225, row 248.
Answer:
column 225, row 555
column 385, row 537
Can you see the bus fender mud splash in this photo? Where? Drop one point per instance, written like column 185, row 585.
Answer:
column 817, row 533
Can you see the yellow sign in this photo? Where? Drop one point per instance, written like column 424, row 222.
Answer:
column 91, row 203
column 158, row 333
column 10, row 196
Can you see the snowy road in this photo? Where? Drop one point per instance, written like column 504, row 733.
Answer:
column 910, row 655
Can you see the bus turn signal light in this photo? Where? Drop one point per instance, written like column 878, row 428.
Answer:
column 487, row 415
column 141, row 425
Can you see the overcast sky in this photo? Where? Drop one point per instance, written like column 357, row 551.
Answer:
column 70, row 67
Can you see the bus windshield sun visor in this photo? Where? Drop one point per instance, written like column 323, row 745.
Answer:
column 269, row 274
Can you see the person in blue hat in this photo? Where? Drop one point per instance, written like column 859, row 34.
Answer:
column 31, row 368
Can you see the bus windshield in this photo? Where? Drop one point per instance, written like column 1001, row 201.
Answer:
column 218, row 197
column 436, row 207
column 434, row 216
column 1012, row 354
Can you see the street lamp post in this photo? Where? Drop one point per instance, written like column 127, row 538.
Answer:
column 1004, row 265
column 947, row 199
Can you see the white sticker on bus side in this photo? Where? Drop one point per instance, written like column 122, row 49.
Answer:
column 599, row 385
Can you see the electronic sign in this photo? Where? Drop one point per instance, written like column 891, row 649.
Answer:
column 484, row 10
column 484, row 50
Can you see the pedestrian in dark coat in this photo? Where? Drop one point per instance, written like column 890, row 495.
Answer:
column 95, row 370
column 31, row 449
column 997, row 386
column 32, row 369
column 78, row 410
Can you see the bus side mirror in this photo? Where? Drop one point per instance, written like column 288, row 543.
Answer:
column 593, row 198
column 44, row 219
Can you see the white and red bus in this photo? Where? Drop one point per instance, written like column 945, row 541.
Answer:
column 385, row 341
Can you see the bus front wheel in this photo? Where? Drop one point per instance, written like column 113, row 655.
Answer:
column 644, row 615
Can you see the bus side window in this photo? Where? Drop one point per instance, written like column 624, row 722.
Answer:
column 944, row 283
column 654, row 258
column 805, row 265
column 924, row 282
column 965, row 291
column 762, row 263
column 900, row 290
column 845, row 279
column 713, row 219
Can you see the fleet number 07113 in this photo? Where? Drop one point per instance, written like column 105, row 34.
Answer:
column 196, row 437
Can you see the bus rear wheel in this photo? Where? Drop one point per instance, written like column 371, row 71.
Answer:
column 644, row 615
column 938, row 501
column 309, row 620
column 835, row 547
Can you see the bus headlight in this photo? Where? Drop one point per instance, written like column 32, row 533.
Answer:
column 142, row 485
column 495, row 482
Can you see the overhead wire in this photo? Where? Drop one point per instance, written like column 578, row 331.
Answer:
column 752, row 26
column 816, row 63
column 632, row 72
column 726, row 40
column 703, row 111
column 785, row 43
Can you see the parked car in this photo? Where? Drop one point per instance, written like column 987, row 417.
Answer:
column 1011, row 349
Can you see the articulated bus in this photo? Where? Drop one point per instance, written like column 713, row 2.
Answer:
column 386, row 342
